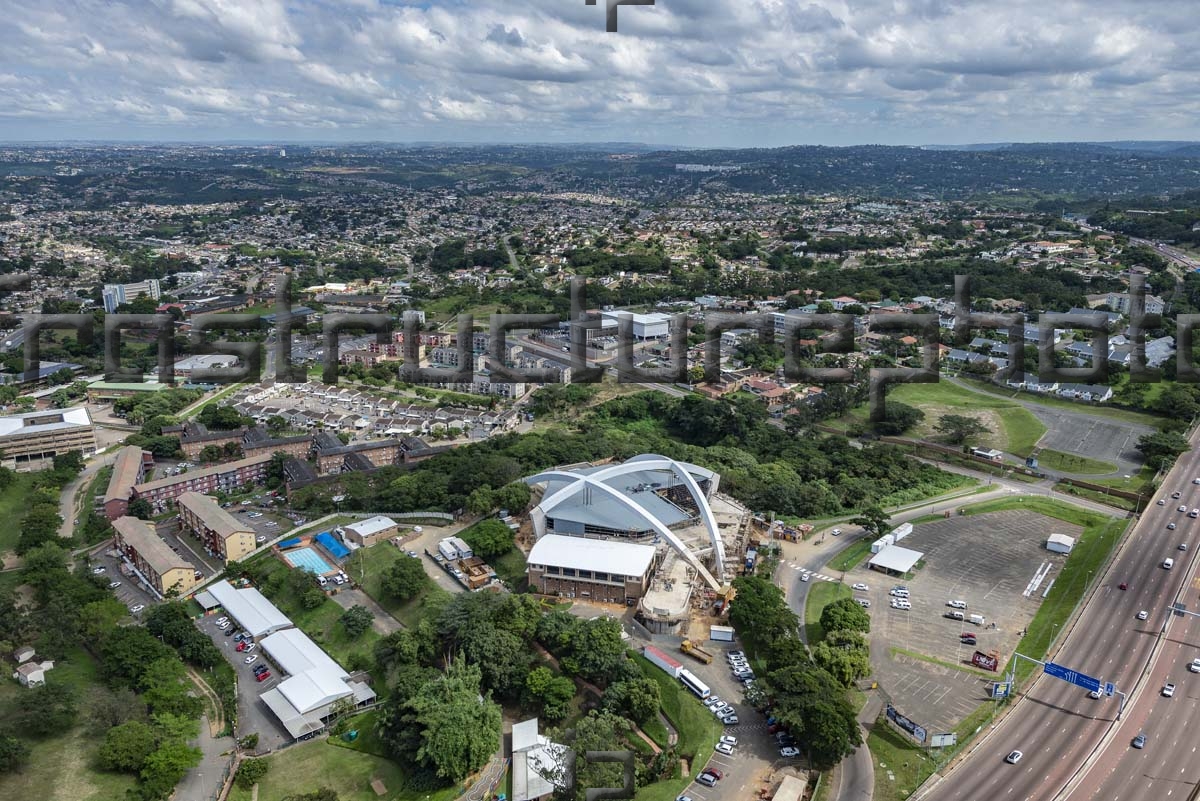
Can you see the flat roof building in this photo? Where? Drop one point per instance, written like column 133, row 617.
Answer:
column 128, row 470
column 895, row 560
column 365, row 533
column 315, row 682
column 31, row 441
column 222, row 534
column 218, row 478
column 602, row 570
column 250, row 608
column 151, row 558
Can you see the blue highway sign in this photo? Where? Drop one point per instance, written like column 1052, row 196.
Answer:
column 1071, row 677
column 1109, row 689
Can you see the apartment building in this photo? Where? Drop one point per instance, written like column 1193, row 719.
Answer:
column 152, row 559
column 128, row 471
column 113, row 295
column 222, row 534
column 163, row 492
column 31, row 441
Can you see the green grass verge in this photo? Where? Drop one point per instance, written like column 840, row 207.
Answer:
column 900, row 766
column 657, row 732
column 367, row 566
column 848, row 558
column 1022, row 429
column 61, row 768
column 1100, row 535
column 820, row 595
column 934, row 661
column 1097, row 496
column 1126, row 415
column 1070, row 463
column 511, row 569
column 697, row 728
column 315, row 764
column 14, row 503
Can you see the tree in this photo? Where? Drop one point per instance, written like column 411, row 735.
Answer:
column 599, row 731
column 814, row 707
column 898, row 418
column 958, row 428
column 549, row 692
column 141, row 508
column 761, row 614
column 14, row 754
column 489, row 538
column 460, row 729
column 251, row 771
column 405, row 579
column 873, row 519
column 844, row 655
column 356, row 620
column 221, row 418
column 1161, row 445
column 164, row 767
column 45, row 710
column 845, row 614
column 637, row 700
column 596, row 650
column 126, row 747
column 40, row 526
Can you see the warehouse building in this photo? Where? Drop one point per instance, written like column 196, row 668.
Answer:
column 31, row 441
column 151, row 559
column 248, row 607
column 599, row 570
column 128, row 471
column 222, row 534
column 304, row 700
column 365, row 533
column 219, row 478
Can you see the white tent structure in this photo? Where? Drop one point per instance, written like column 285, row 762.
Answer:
column 250, row 608
column 600, row 483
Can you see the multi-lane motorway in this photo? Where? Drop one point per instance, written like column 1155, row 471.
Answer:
column 1060, row 729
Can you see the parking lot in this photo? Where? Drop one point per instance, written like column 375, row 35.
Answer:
column 756, row 754
column 989, row 561
column 253, row 714
column 131, row 592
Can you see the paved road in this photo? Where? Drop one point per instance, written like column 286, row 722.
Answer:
column 203, row 781
column 69, row 502
column 1056, row 725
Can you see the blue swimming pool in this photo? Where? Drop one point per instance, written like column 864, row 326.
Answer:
column 307, row 559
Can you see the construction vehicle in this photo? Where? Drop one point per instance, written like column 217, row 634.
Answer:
column 696, row 652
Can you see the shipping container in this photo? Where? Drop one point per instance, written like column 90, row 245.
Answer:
column 657, row 657
column 721, row 633
column 446, row 549
column 901, row 532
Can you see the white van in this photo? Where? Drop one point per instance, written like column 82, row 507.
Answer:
column 955, row 615
column 1168, row 563
column 978, row 620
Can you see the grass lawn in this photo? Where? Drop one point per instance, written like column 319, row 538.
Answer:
column 511, row 568
column 1014, row 429
column 14, row 501
column 317, row 763
column 1110, row 412
column 1098, row 497
column 1070, row 463
column 367, row 566
column 1100, row 535
column 698, row 729
column 900, row 766
column 850, row 557
column 820, row 595
column 657, row 732
column 323, row 623
column 60, row 768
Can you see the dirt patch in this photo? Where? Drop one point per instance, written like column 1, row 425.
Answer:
column 988, row 417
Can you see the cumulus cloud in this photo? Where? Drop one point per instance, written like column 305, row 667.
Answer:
column 702, row 72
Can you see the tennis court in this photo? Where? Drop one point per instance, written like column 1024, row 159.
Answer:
column 308, row 559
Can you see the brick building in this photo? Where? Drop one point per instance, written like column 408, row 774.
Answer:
column 163, row 492
column 128, row 471
column 163, row 569
column 222, row 534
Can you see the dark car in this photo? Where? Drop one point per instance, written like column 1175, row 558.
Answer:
column 266, row 674
column 231, row 632
column 716, row 773
column 1123, row 585
column 1140, row 740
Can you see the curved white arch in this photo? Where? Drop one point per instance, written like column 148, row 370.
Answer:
column 577, row 482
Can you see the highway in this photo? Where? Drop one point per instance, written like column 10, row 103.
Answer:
column 1056, row 725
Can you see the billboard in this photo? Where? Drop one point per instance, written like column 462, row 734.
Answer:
column 917, row 732
column 986, row 661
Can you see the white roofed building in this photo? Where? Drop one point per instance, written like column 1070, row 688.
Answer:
column 538, row 765
column 604, row 571
column 30, row 441
column 314, row 682
column 365, row 533
column 250, row 609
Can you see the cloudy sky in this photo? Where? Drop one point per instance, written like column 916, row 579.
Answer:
column 688, row 72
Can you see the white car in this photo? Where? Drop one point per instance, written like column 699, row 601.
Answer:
column 957, row 604
column 837, row 532
column 1168, row 690
column 864, row 603
column 860, row 587
column 1161, row 502
column 250, row 660
column 724, row 748
column 1013, row 757
column 905, row 605
column 729, row 739
column 1170, row 526
column 1194, row 666
column 112, row 585
column 805, row 577
column 1142, row 615
column 1196, row 480
column 137, row 608
column 789, row 752
column 98, row 570
column 1181, row 509
column 1095, row 695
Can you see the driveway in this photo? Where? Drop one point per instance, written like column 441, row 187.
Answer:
column 383, row 623
column 205, row 780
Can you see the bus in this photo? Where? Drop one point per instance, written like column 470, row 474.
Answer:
column 694, row 684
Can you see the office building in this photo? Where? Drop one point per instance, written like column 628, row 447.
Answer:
column 115, row 295
column 31, row 441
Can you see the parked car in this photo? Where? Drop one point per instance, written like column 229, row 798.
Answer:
column 730, row 720
column 864, row 603
column 728, row 739
column 724, row 748
column 706, row 780
column 1142, row 615
column 957, row 604
column 137, row 608
column 716, row 773
column 250, row 660
column 837, row 532
column 112, row 585
column 859, row 586
column 240, row 647
column 98, row 570
column 266, row 674
column 789, row 752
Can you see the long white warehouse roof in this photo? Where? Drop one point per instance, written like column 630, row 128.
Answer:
column 314, row 679
column 605, row 556
column 249, row 608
